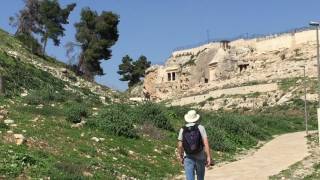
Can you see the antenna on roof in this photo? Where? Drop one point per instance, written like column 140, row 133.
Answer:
column 208, row 35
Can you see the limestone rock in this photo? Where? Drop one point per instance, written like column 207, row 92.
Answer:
column 95, row 139
column 217, row 66
column 78, row 125
column 24, row 94
column 40, row 106
column 310, row 97
column 13, row 125
column 3, row 112
column 285, row 98
column 87, row 174
column 8, row 121
column 19, row 139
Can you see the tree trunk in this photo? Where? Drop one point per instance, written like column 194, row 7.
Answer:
column 44, row 45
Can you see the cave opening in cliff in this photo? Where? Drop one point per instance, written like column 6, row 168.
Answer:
column 243, row 67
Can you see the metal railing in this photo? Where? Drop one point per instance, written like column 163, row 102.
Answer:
column 246, row 36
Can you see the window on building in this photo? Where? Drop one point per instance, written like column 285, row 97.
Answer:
column 169, row 76
column 173, row 76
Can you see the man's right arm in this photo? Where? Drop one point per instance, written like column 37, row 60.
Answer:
column 180, row 147
column 180, row 152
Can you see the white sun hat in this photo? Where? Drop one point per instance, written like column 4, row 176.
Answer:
column 191, row 116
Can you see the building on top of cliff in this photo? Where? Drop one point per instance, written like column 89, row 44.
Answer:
column 225, row 44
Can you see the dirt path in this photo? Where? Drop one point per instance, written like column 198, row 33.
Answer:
column 270, row 159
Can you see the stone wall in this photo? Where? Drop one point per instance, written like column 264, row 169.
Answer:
column 276, row 42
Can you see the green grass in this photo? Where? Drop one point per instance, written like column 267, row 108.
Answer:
column 19, row 75
column 315, row 174
column 286, row 84
column 68, row 152
column 66, row 145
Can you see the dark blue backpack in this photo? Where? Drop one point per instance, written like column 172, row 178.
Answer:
column 192, row 140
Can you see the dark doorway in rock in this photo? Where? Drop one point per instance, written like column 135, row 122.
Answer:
column 169, row 76
column 243, row 67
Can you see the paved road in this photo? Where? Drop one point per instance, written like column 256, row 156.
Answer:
column 269, row 160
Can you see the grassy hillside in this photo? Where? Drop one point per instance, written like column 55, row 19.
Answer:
column 122, row 140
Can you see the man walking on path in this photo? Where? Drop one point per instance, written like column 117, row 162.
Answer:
column 193, row 147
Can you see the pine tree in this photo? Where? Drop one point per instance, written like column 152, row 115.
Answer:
column 43, row 17
column 126, row 68
column 133, row 71
column 96, row 34
column 26, row 19
column 51, row 20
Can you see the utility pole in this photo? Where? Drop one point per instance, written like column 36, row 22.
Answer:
column 305, row 99
column 316, row 25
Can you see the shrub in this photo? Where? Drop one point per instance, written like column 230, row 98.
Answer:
column 74, row 68
column 219, row 140
column 33, row 99
column 148, row 129
column 114, row 119
column 154, row 113
column 75, row 113
column 265, row 103
column 68, row 170
column 3, row 126
column 228, row 132
column 44, row 96
column 201, row 104
column 15, row 162
column 31, row 43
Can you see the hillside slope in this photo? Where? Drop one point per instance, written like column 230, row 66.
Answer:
column 43, row 131
column 20, row 57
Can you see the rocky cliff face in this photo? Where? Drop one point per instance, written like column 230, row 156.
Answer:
column 222, row 65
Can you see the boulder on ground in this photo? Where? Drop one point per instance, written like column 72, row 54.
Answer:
column 19, row 139
column 95, row 139
column 78, row 125
column 4, row 112
column 8, row 121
